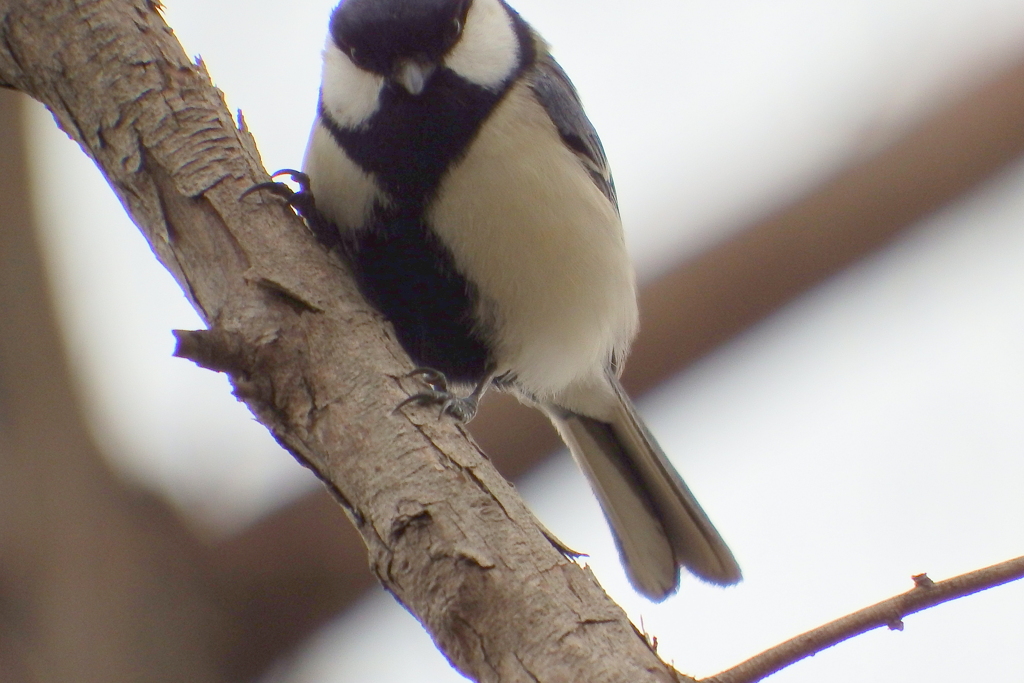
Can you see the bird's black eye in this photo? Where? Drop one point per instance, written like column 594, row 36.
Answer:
column 456, row 28
column 352, row 55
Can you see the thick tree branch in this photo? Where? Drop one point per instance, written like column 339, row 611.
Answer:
column 445, row 533
column 926, row 593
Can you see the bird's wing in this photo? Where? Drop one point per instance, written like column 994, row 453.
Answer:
column 557, row 95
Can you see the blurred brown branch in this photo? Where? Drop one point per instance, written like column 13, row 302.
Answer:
column 98, row 581
column 926, row 593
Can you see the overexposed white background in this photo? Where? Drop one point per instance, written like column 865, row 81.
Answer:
column 871, row 430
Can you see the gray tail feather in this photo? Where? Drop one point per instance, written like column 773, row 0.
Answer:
column 657, row 523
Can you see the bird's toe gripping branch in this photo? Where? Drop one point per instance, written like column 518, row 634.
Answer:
column 302, row 202
column 462, row 408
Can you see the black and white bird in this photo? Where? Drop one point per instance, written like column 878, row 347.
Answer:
column 454, row 167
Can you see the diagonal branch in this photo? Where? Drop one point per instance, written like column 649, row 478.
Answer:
column 926, row 593
column 446, row 534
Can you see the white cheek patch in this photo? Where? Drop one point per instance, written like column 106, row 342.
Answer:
column 488, row 51
column 345, row 194
column 350, row 94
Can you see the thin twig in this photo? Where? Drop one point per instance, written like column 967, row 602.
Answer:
column 926, row 593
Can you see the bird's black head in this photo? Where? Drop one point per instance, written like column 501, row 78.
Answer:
column 383, row 35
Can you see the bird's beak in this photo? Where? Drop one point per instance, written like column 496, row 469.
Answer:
column 413, row 75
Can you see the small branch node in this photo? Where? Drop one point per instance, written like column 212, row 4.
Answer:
column 922, row 581
column 218, row 350
column 292, row 299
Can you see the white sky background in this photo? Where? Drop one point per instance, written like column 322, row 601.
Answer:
column 871, row 430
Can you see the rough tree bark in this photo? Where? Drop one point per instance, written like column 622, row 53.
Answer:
column 446, row 534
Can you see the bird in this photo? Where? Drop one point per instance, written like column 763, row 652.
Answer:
column 452, row 165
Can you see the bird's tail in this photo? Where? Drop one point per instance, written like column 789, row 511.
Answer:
column 657, row 523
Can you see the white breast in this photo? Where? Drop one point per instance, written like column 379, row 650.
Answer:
column 344, row 192
column 544, row 246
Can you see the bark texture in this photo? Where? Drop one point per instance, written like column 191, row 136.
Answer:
column 445, row 533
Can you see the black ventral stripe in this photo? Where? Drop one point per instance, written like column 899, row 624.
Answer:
column 402, row 267
column 412, row 139
column 408, row 275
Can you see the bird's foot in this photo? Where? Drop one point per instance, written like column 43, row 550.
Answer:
column 301, row 200
column 437, row 393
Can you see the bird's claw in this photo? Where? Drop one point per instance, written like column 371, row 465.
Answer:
column 434, row 379
column 462, row 409
column 301, row 200
column 282, row 189
column 437, row 393
column 303, row 203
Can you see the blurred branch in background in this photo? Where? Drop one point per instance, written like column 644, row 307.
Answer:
column 100, row 582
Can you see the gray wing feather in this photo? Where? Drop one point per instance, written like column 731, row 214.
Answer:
column 657, row 523
column 559, row 98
